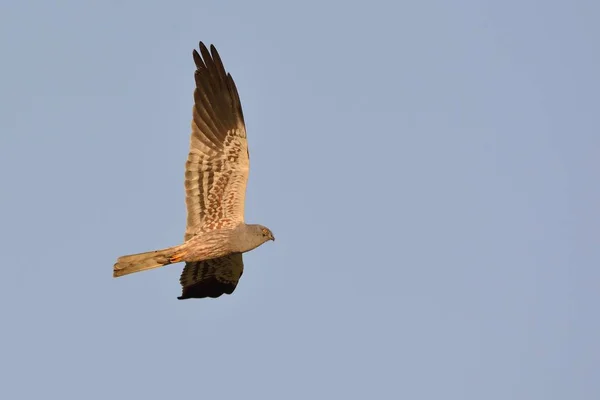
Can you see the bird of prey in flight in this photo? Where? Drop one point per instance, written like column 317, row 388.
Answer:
column 216, row 173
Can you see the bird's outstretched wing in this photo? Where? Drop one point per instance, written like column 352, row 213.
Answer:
column 217, row 167
column 211, row 278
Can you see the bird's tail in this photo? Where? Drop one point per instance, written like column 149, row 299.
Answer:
column 143, row 261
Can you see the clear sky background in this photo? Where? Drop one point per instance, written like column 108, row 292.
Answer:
column 429, row 168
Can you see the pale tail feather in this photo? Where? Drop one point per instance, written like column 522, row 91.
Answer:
column 143, row 261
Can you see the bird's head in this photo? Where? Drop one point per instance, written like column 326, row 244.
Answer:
column 250, row 237
column 266, row 233
column 260, row 233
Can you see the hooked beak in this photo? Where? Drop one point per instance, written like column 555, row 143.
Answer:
column 272, row 237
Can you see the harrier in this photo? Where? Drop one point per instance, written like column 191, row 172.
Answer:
column 216, row 173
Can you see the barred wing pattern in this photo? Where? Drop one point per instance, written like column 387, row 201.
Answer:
column 217, row 167
column 216, row 173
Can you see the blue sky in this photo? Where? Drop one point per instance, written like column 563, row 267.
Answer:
column 430, row 171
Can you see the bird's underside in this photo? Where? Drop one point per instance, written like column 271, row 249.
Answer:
column 201, row 247
column 216, row 173
column 212, row 267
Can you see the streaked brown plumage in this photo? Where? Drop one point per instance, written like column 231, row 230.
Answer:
column 216, row 173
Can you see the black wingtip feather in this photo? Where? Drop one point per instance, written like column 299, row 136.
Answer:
column 217, row 100
column 208, row 288
column 202, row 46
column 198, row 60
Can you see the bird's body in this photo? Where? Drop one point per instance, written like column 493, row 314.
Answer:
column 202, row 246
column 215, row 182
